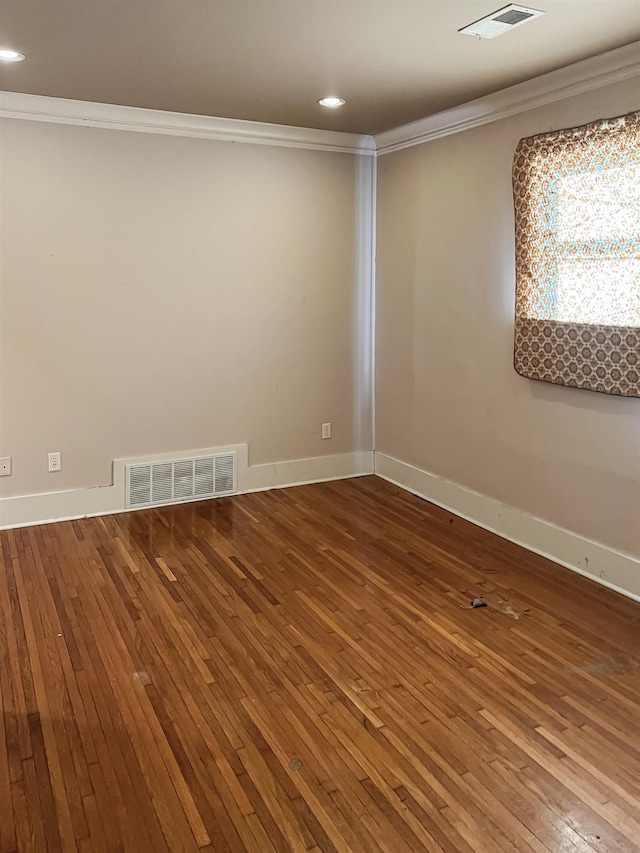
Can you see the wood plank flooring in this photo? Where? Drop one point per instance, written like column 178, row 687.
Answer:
column 294, row 671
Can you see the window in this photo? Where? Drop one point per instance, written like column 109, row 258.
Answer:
column 577, row 211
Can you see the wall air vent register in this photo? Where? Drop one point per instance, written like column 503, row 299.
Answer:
column 179, row 480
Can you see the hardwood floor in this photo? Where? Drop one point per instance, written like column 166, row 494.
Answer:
column 294, row 671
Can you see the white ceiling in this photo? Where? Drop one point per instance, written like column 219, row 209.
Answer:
column 270, row 60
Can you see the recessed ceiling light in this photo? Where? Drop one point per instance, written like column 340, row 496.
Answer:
column 331, row 102
column 8, row 55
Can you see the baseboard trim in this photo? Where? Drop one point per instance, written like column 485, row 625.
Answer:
column 29, row 510
column 302, row 472
column 613, row 569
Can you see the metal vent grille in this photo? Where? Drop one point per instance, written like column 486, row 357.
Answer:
column 224, row 474
column 203, row 482
column 501, row 21
column 139, row 485
column 514, row 16
column 180, row 480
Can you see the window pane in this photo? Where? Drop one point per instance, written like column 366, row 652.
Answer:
column 598, row 291
column 599, row 205
column 576, row 196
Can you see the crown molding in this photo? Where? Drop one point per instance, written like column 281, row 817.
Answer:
column 611, row 67
column 110, row 116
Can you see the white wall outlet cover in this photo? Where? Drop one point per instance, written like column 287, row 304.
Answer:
column 55, row 461
column 5, row 466
column 326, row 430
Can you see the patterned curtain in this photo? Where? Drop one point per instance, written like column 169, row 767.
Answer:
column 577, row 215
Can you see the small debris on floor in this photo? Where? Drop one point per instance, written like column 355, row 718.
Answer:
column 509, row 611
column 296, row 764
column 476, row 602
column 496, row 602
column 511, row 608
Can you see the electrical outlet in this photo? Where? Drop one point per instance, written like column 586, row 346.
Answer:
column 326, row 430
column 55, row 461
column 5, row 466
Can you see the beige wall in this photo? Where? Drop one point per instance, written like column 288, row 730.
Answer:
column 163, row 294
column 447, row 398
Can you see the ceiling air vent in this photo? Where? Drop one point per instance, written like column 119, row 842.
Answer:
column 501, row 21
column 179, row 480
